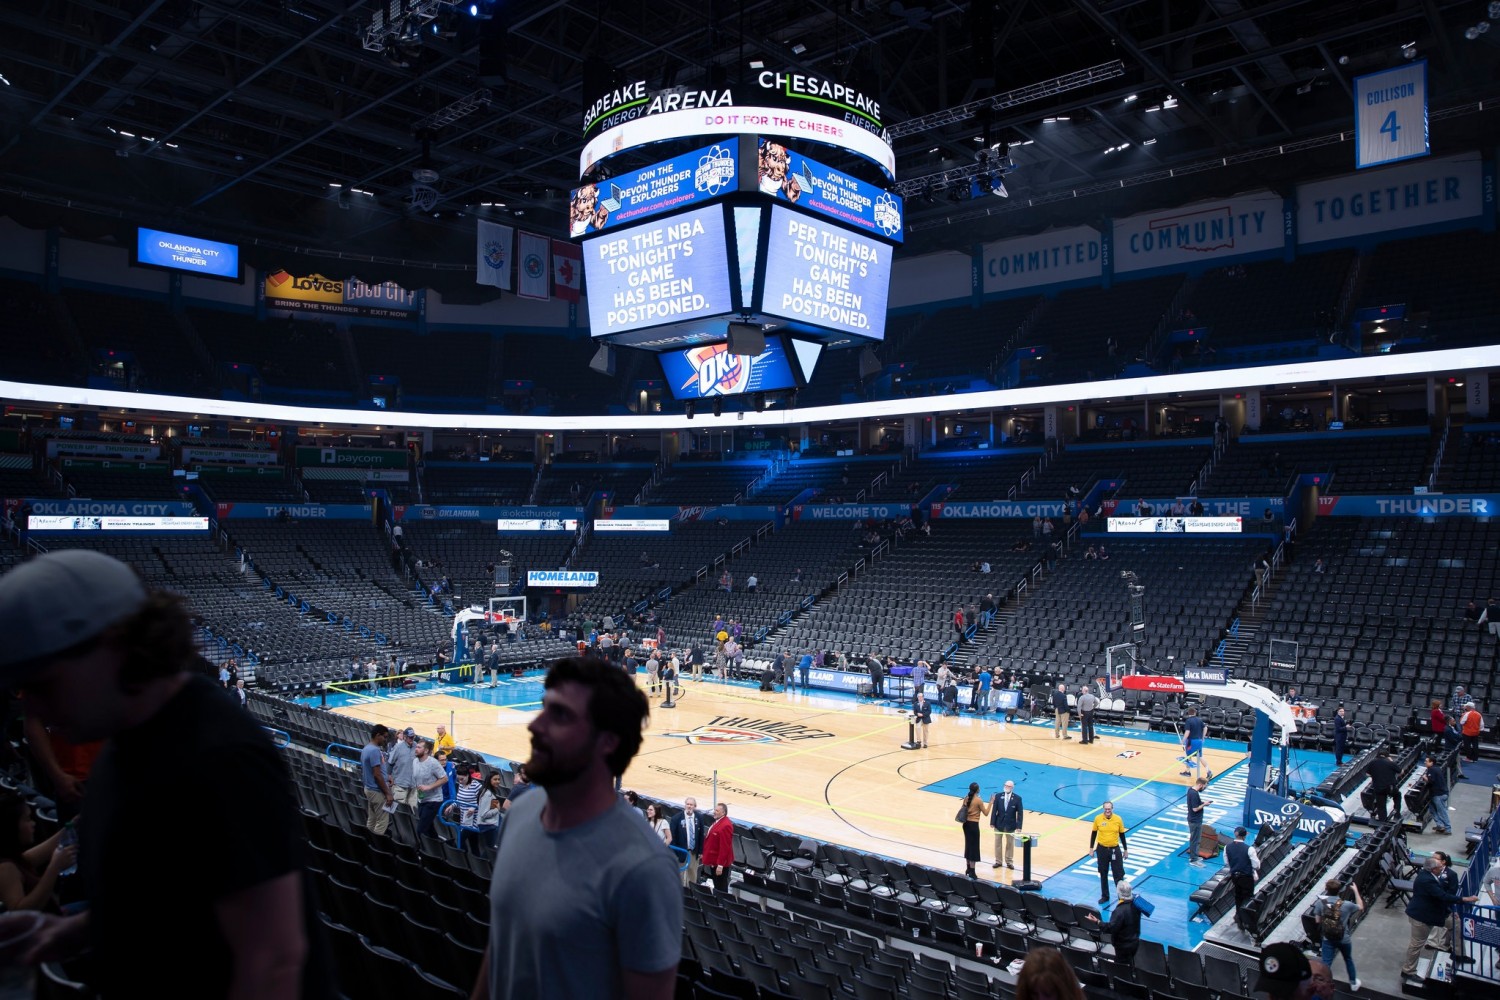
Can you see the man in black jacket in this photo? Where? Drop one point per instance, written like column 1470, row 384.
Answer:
column 1060, row 713
column 1428, row 908
column 1382, row 773
column 1006, row 815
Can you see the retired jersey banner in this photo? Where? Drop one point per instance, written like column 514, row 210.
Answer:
column 534, row 267
column 567, row 270
column 495, row 247
column 1206, row 231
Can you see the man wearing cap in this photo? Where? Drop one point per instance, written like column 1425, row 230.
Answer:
column 1285, row 973
column 400, row 758
column 99, row 657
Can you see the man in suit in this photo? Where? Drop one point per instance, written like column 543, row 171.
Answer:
column 1428, row 908
column 1006, row 814
column 718, row 848
column 1383, row 786
column 687, row 833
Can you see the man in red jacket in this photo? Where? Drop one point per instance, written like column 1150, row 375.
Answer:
column 718, row 848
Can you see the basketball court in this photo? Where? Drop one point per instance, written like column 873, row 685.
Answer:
column 831, row 766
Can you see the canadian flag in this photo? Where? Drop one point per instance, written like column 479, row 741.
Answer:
column 567, row 270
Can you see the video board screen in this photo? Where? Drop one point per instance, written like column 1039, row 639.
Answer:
column 662, row 187
column 70, row 522
column 670, row 270
column 711, row 370
column 825, row 275
column 787, row 175
column 188, row 254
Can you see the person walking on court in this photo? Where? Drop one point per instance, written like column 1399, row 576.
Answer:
column 1088, row 703
column 1107, row 841
column 1334, row 916
column 1060, row 713
column 1006, row 816
column 1244, row 868
column 1192, row 744
column 1195, row 804
column 921, row 713
column 969, row 813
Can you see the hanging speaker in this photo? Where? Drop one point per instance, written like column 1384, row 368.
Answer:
column 604, row 360
column 746, row 338
column 494, row 50
column 869, row 364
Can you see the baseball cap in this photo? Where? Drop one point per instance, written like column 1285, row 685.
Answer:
column 58, row 600
column 1282, row 965
column 408, row 731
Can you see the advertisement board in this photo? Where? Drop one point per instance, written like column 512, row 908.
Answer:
column 633, row 524
column 825, row 275
column 317, row 293
column 352, row 458
column 294, row 511
column 798, row 105
column 562, row 578
column 228, row 456
column 424, row 512
column 64, row 522
column 636, row 195
column 1175, row 525
column 81, row 507
column 1433, row 505
column 188, row 254
column 790, row 175
column 669, row 270
column 536, row 524
column 712, row 371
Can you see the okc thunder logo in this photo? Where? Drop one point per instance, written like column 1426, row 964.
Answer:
column 723, row 734
column 715, row 370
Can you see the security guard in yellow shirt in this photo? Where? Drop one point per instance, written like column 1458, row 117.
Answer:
column 444, row 741
column 1107, row 840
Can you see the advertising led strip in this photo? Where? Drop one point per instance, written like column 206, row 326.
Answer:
column 662, row 187
column 1175, row 525
column 56, row 522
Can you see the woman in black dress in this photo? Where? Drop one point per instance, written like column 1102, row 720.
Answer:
column 974, row 807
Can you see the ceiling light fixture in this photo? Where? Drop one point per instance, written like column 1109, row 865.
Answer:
column 1131, row 97
column 1169, row 103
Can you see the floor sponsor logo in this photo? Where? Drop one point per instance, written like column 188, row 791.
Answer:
column 726, row 729
column 703, row 779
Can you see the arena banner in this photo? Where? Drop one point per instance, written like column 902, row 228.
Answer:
column 124, row 450
column 1000, row 509
column 562, row 578
column 353, row 458
column 1058, row 255
column 114, row 465
column 63, row 522
column 228, row 456
column 1419, row 193
column 1411, row 505
column 1211, row 231
column 851, row 511
column 425, row 512
column 796, row 105
column 729, row 513
column 294, row 511
column 79, row 507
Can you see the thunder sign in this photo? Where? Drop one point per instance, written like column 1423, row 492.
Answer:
column 712, row 371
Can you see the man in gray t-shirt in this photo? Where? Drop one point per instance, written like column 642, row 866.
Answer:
column 401, row 758
column 598, row 889
column 377, row 786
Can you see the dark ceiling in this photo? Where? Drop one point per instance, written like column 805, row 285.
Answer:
column 240, row 118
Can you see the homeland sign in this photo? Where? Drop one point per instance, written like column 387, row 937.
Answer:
column 562, row 578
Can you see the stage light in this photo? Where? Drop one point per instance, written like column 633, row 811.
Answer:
column 690, row 407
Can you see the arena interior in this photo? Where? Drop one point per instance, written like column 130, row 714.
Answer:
column 1168, row 381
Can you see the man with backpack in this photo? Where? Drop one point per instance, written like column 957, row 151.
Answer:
column 1334, row 916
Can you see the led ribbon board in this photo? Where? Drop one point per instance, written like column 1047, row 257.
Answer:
column 796, row 105
column 1175, row 525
